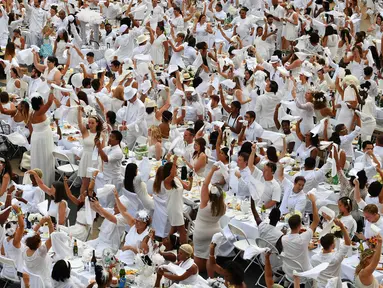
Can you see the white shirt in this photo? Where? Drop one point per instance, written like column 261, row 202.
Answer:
column 133, row 113
column 37, row 17
column 112, row 168
column 91, row 68
column 253, row 132
column 333, row 270
column 193, row 110
column 295, row 247
column 291, row 200
column 61, row 24
column 243, row 181
column 265, row 107
column 33, row 84
column 109, row 12
column 272, row 189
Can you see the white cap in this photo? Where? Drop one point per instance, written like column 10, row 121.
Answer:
column 123, row 28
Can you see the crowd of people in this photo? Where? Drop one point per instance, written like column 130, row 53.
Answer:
column 271, row 104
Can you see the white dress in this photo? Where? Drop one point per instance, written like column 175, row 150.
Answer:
column 11, row 88
column 290, row 31
column 160, row 221
column 80, row 229
column 206, row 226
column 304, row 152
column 40, row 264
column 87, row 156
column 41, row 151
column 158, row 50
column 60, row 48
column 175, row 204
column 19, row 126
column 132, row 239
column 201, row 34
column 15, row 254
column 346, row 114
column 53, row 210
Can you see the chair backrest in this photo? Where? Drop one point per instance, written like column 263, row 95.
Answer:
column 60, row 156
column 334, row 208
column 141, row 140
column 237, row 232
column 35, row 280
column 292, row 264
column 262, row 243
column 9, row 263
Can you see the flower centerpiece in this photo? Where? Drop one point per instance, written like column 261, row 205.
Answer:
column 34, row 218
column 372, row 242
column 296, row 212
column 335, row 229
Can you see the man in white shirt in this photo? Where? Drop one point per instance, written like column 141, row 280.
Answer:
column 194, row 109
column 243, row 175
column 90, row 67
column 243, row 27
column 61, row 22
column 108, row 10
column 294, row 199
column 132, row 117
column 252, row 131
column 189, row 143
column 269, row 232
column 218, row 13
column 369, row 160
column 34, row 81
column 269, row 34
column 295, row 245
column 333, row 258
column 265, row 106
column 215, row 113
column 37, row 19
column 271, row 194
column 111, row 157
column 378, row 149
column 278, row 12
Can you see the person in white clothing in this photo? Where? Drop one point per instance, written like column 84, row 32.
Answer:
column 4, row 32
column 37, row 19
column 333, row 258
column 294, row 199
column 111, row 157
column 243, row 175
column 265, row 106
column 295, row 245
column 132, row 117
column 251, row 130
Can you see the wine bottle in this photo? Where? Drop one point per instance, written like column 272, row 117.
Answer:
column 93, row 262
column 75, row 248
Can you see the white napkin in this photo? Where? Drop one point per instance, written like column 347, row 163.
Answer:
column 175, row 269
column 253, row 250
column 256, row 189
column 144, row 168
column 312, row 273
column 60, row 241
column 89, row 213
column 228, row 83
column 43, row 207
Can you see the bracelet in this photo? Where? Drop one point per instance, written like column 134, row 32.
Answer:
column 212, row 256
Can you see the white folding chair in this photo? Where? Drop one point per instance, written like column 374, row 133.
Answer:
column 262, row 243
column 293, row 265
column 65, row 169
column 10, row 263
column 242, row 244
column 35, row 280
column 334, row 208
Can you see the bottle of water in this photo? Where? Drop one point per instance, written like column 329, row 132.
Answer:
column 306, row 220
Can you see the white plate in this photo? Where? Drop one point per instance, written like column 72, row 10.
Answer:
column 76, row 263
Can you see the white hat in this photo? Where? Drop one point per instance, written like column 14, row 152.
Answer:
column 123, row 28
column 149, row 103
column 306, row 73
column 129, row 93
column 274, row 59
column 358, row 166
column 142, row 38
column 189, row 89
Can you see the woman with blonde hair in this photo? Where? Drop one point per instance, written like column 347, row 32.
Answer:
column 155, row 142
column 117, row 98
column 369, row 260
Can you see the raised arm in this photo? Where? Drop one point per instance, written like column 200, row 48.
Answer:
column 205, row 193
column 20, row 226
column 36, row 63
column 255, row 213
column 124, row 212
column 40, row 183
column 45, row 107
column 72, row 198
column 100, row 210
column 276, row 121
column 315, row 222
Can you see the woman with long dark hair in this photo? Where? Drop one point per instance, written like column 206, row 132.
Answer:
column 199, row 159
column 167, row 184
column 133, row 184
column 58, row 207
column 5, row 177
column 60, row 45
